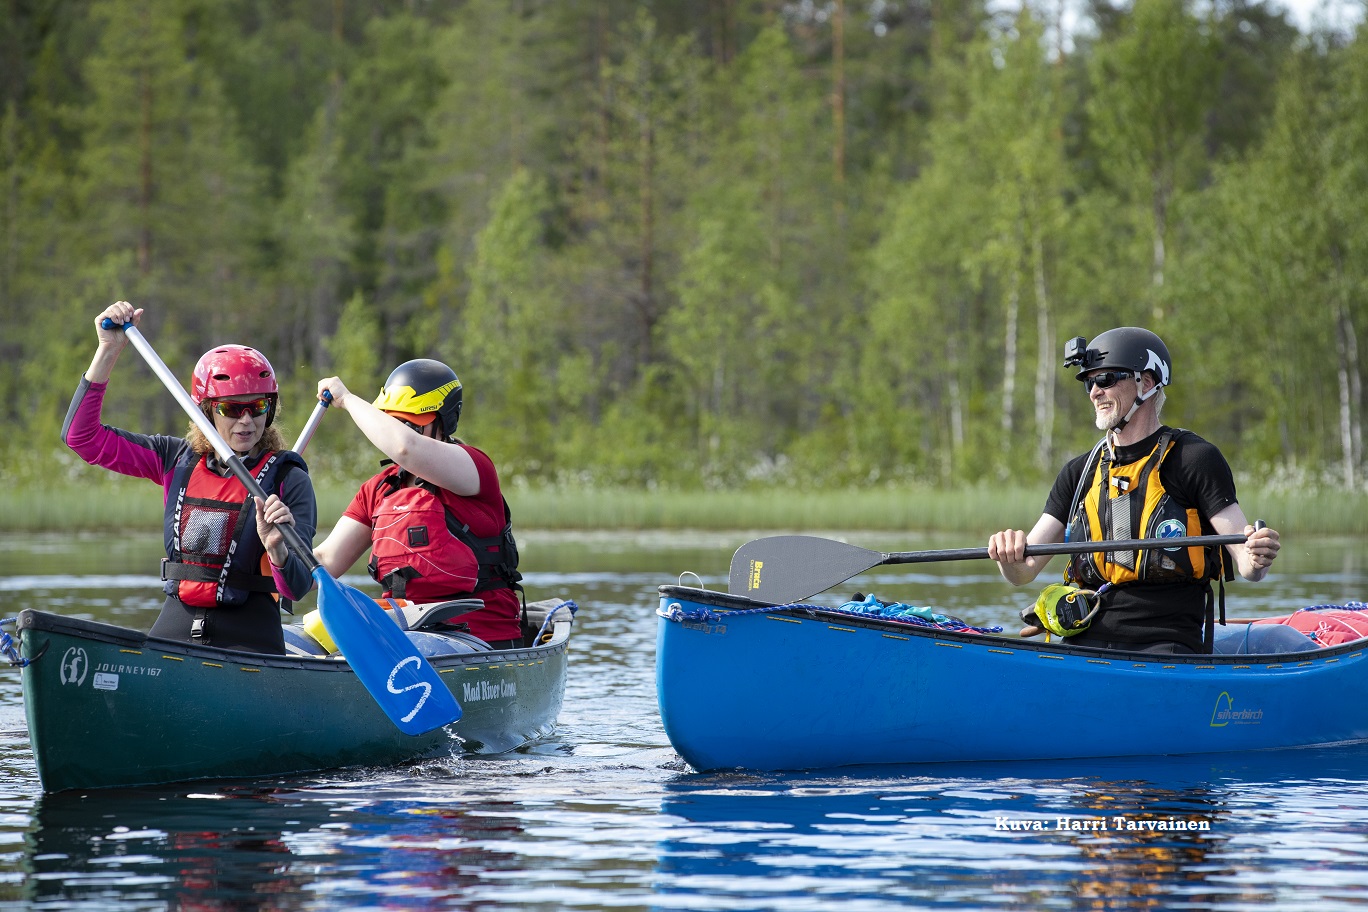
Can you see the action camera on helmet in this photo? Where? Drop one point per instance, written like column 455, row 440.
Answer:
column 1075, row 352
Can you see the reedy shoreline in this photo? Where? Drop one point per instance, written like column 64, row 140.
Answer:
column 117, row 504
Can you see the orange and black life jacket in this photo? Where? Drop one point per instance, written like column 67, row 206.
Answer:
column 1129, row 501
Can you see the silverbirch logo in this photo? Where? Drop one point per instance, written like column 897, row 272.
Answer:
column 1225, row 713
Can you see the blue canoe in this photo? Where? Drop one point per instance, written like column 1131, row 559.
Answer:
column 743, row 685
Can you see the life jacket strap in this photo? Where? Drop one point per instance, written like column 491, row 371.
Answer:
column 198, row 573
column 396, row 581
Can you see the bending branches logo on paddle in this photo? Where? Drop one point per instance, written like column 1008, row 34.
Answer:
column 1225, row 713
column 420, row 685
column 753, row 579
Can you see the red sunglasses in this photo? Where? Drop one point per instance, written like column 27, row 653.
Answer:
column 235, row 410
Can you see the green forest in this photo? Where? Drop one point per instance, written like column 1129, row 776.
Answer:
column 697, row 244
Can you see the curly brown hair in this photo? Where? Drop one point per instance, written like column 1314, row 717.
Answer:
column 271, row 439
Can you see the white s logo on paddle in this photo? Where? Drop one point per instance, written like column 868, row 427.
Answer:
column 421, row 685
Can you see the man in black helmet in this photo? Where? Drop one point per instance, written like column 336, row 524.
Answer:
column 1142, row 480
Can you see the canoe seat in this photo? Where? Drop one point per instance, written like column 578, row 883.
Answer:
column 417, row 617
column 453, row 642
column 431, row 627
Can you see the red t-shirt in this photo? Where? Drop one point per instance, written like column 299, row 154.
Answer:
column 484, row 514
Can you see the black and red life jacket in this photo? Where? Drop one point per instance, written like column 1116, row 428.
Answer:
column 214, row 557
column 422, row 552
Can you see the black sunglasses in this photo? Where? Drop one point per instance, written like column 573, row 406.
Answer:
column 1106, row 379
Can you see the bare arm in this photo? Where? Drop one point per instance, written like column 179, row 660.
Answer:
column 1008, row 548
column 1252, row 558
column 437, row 461
column 344, row 546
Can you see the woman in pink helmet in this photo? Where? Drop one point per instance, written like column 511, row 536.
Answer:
column 226, row 566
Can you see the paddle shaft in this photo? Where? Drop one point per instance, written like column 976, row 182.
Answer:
column 225, row 452
column 1126, row 544
column 312, row 424
column 785, row 568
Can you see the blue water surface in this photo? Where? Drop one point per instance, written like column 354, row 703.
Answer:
column 604, row 815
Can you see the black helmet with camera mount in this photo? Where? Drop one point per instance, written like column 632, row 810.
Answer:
column 1125, row 348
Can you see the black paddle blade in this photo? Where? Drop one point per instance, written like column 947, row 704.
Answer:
column 788, row 568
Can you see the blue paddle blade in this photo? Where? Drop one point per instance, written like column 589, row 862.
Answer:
column 405, row 685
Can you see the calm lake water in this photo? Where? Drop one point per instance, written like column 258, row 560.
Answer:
column 604, row 815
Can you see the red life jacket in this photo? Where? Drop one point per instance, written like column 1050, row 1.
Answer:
column 215, row 554
column 1327, row 627
column 421, row 552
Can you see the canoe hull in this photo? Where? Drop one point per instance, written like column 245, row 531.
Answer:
column 759, row 689
column 108, row 706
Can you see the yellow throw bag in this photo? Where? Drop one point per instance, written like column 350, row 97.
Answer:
column 1065, row 610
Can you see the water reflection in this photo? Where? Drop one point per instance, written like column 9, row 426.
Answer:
column 264, row 849
column 1012, row 830
column 196, row 852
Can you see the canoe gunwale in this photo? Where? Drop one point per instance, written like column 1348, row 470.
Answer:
column 730, row 602
column 35, row 620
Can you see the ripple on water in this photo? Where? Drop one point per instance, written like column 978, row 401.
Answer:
column 603, row 814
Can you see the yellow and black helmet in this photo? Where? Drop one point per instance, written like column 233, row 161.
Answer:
column 420, row 391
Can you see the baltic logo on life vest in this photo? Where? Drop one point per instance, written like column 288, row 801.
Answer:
column 1225, row 713
column 75, row 664
column 754, row 581
column 424, row 686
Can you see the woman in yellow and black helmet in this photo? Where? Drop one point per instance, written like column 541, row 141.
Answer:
column 434, row 517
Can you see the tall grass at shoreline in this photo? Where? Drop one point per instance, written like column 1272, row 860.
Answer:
column 115, row 505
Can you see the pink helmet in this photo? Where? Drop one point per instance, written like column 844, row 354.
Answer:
column 234, row 370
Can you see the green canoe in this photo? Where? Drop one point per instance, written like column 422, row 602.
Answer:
column 109, row 706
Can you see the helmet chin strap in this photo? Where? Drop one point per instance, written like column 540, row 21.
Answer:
column 1140, row 399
